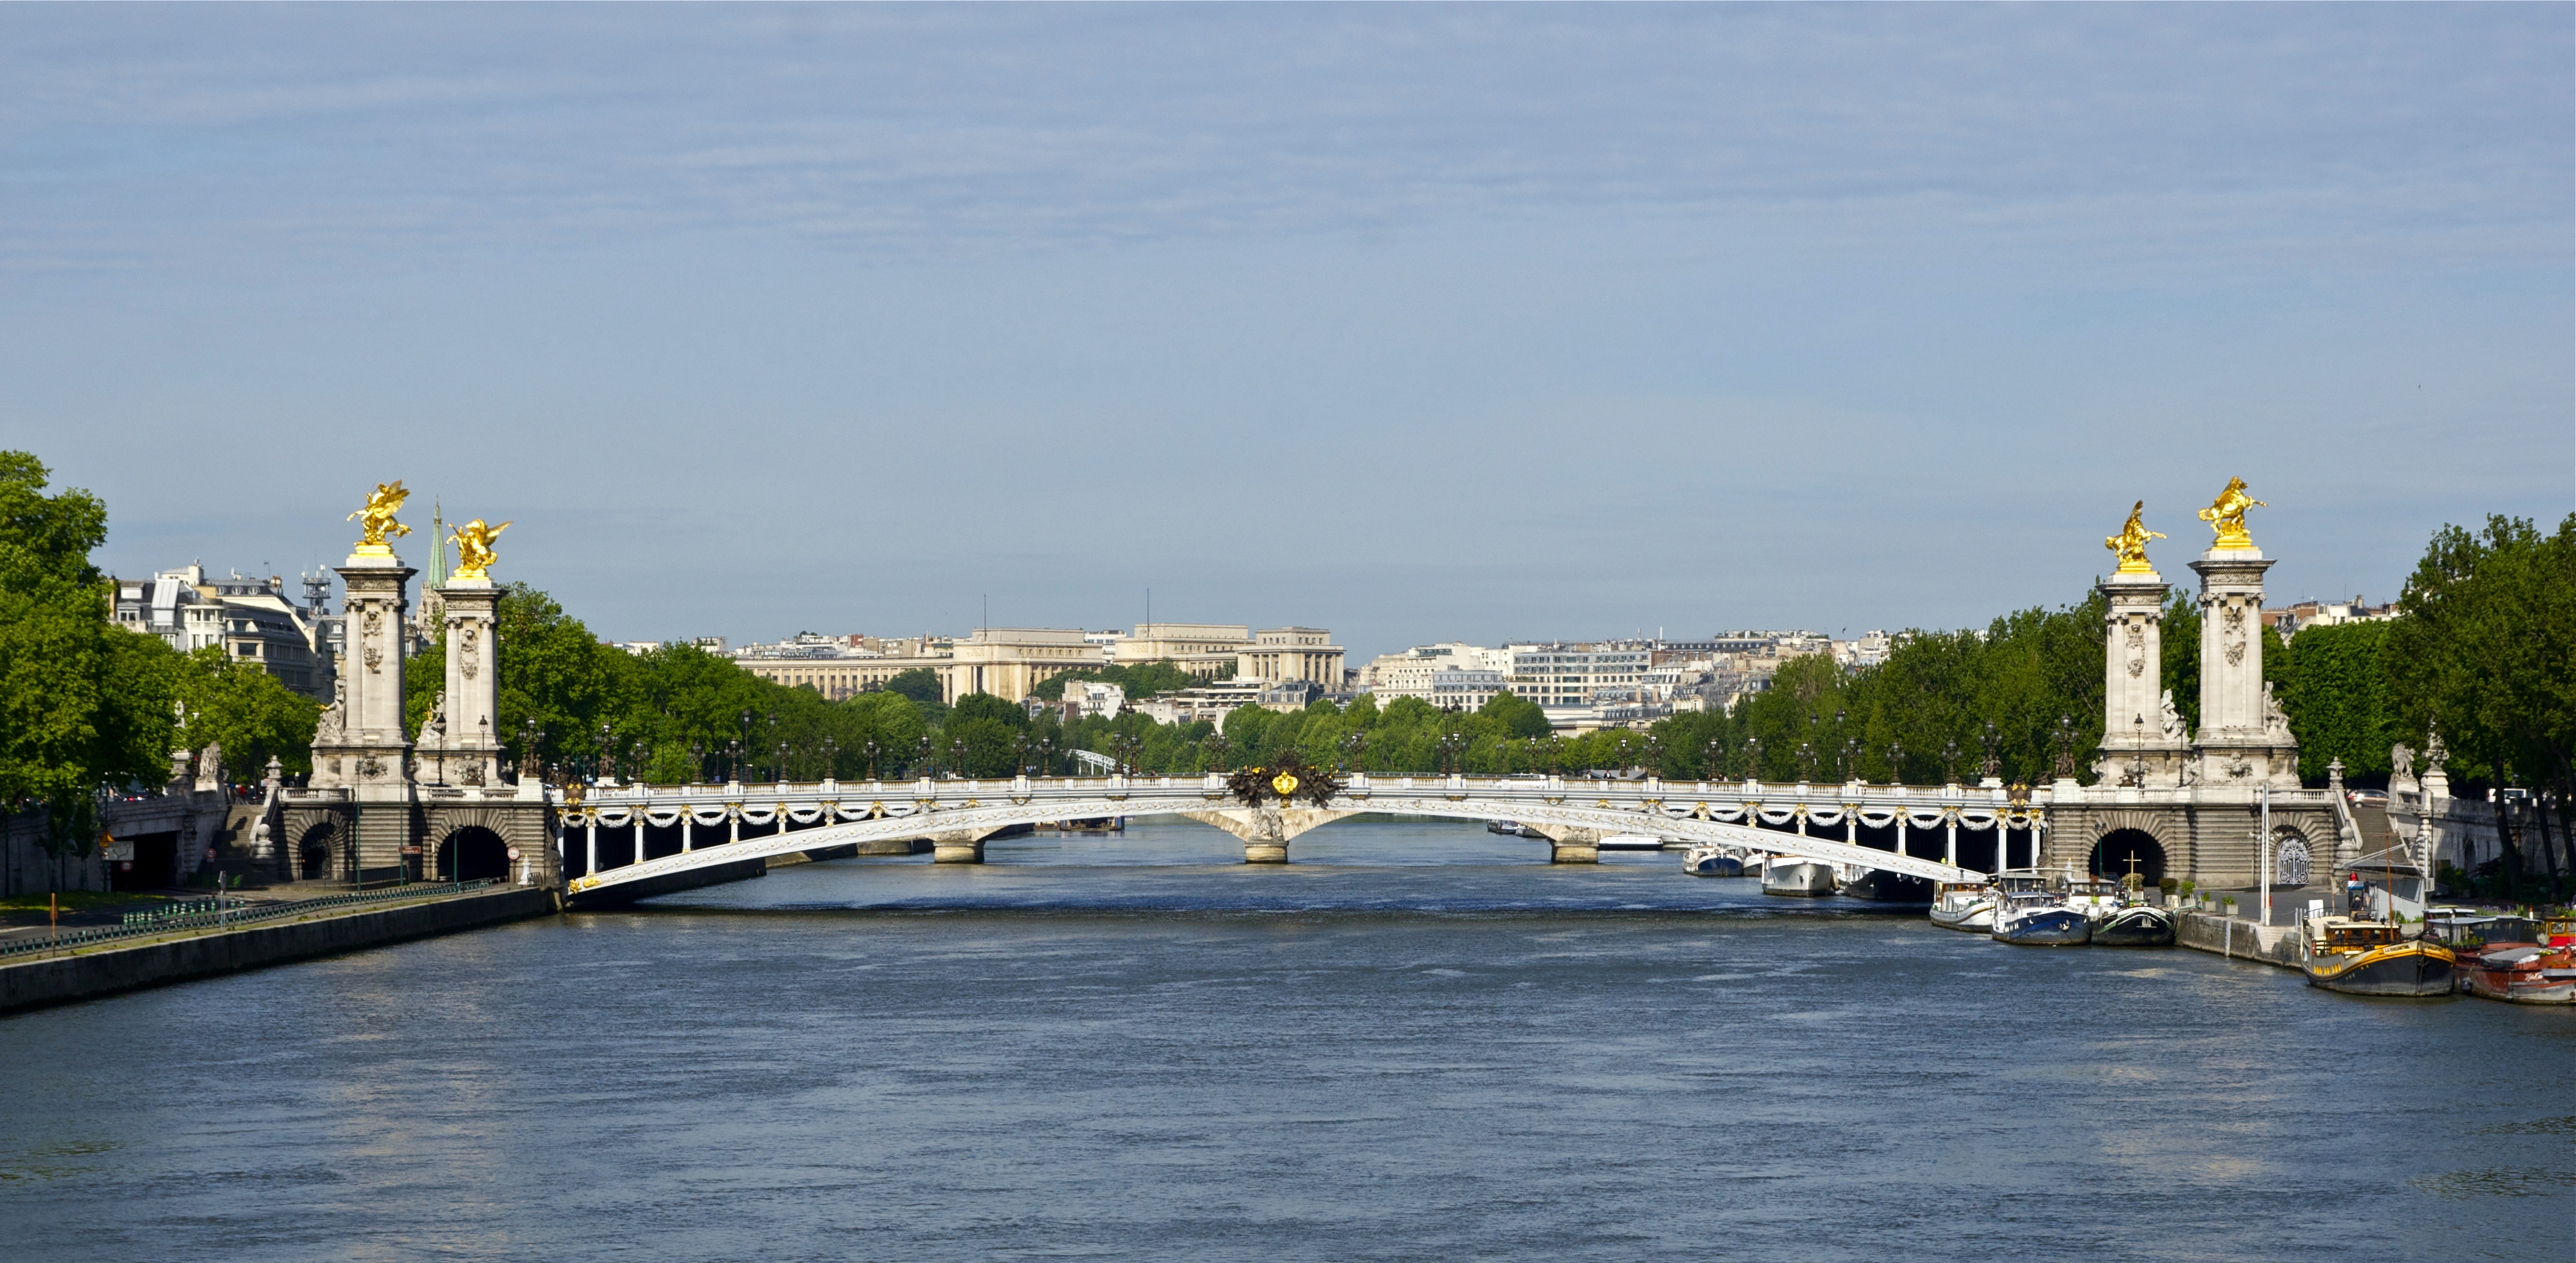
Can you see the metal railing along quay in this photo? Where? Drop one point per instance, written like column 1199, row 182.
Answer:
column 204, row 915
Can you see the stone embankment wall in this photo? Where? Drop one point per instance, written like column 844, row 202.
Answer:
column 105, row 971
column 2238, row 939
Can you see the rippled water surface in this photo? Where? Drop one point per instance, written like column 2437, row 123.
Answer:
column 1420, row 1041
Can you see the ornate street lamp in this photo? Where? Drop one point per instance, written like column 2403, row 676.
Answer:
column 873, row 750
column 1217, row 745
column 1352, row 744
column 1993, row 767
column 1895, row 763
column 1806, row 762
column 1950, row 761
column 1753, row 758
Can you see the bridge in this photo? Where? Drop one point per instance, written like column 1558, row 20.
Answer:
column 629, row 842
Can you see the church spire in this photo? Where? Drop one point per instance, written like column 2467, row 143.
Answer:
column 437, row 546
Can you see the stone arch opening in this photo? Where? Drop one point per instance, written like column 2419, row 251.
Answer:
column 473, row 853
column 313, row 853
column 2113, row 852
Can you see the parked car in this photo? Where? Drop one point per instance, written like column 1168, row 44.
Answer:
column 2369, row 797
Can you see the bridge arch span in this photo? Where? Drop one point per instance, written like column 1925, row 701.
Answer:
column 744, row 823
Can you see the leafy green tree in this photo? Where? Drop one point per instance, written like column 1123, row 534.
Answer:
column 2487, row 649
column 1140, row 681
column 243, row 708
column 921, row 684
column 2337, row 698
column 976, row 706
column 82, row 702
column 1519, row 716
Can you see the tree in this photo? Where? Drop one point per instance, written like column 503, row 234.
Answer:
column 1140, row 681
column 1519, row 716
column 2336, row 695
column 2487, row 649
column 921, row 684
column 82, row 701
column 243, row 708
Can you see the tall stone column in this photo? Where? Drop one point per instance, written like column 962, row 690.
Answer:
column 471, row 748
column 2140, row 747
column 373, row 757
column 2244, row 738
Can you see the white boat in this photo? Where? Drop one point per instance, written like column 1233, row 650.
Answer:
column 1789, row 875
column 1968, row 906
column 1630, row 842
column 2097, row 899
column 1711, row 861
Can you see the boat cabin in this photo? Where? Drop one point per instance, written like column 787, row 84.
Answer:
column 2343, row 934
column 2472, row 932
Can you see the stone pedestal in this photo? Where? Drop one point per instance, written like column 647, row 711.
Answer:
column 957, row 848
column 1267, row 841
column 2244, row 739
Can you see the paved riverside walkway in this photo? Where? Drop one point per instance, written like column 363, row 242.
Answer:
column 37, row 978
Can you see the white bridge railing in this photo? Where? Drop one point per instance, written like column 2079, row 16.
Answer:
column 610, row 824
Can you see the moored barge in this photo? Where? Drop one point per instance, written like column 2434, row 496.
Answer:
column 2359, row 957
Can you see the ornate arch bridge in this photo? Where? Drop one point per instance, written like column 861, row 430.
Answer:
column 634, row 841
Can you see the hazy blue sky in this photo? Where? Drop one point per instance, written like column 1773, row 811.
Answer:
column 1414, row 323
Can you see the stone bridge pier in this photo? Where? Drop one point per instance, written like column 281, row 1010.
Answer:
column 959, row 846
column 1266, row 830
column 1569, row 845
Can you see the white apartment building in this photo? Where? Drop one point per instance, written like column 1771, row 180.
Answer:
column 1091, row 699
column 1408, row 674
column 1868, row 651
column 1460, row 689
column 1560, row 674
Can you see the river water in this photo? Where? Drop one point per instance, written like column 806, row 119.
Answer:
column 1419, row 1041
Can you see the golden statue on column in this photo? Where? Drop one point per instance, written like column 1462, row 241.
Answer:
column 2226, row 515
column 376, row 519
column 474, row 548
column 2130, row 545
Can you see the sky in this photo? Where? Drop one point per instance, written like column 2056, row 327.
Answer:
column 1415, row 323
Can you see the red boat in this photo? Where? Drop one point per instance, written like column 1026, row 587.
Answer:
column 2541, row 972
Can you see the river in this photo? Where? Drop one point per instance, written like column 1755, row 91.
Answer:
column 1419, row 1041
